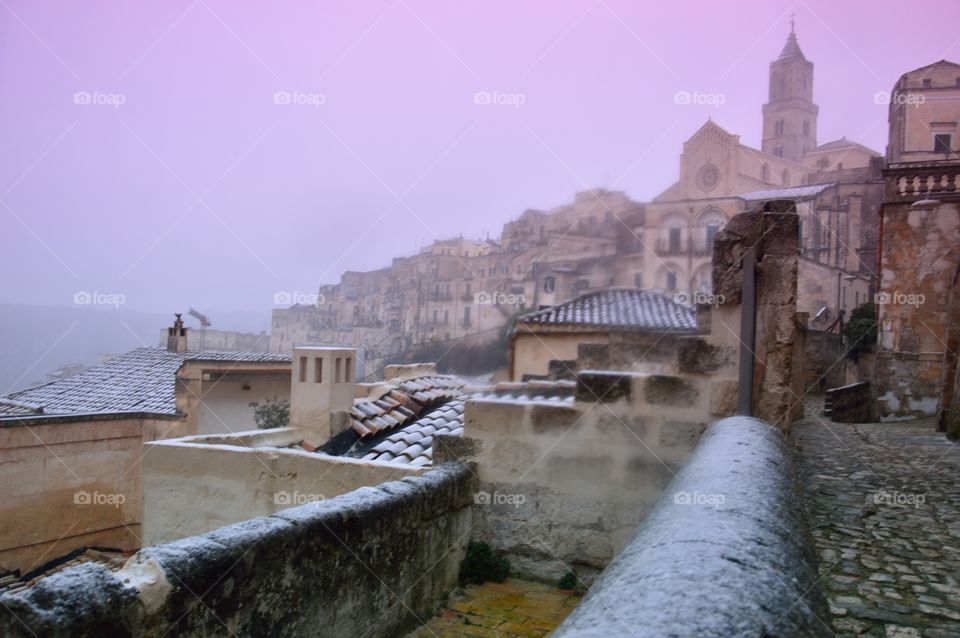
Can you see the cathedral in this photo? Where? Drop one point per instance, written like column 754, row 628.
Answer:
column 837, row 187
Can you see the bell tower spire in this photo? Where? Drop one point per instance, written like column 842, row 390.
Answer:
column 790, row 116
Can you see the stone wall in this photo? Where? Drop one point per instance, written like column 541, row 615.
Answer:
column 562, row 487
column 918, row 271
column 825, row 362
column 850, row 403
column 72, row 482
column 196, row 484
column 373, row 563
column 725, row 552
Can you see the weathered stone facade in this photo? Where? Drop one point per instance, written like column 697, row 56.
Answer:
column 917, row 303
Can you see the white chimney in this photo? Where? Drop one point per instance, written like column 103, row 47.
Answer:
column 321, row 389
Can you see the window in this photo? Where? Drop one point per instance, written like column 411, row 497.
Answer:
column 435, row 316
column 549, row 284
column 941, row 142
column 671, row 280
column 778, row 127
column 927, row 83
column 785, row 178
column 712, row 234
column 346, row 369
column 446, row 316
column 806, row 128
column 674, row 240
column 638, row 279
column 765, row 173
column 778, row 151
column 466, row 315
column 336, row 370
column 303, row 369
column 318, row 370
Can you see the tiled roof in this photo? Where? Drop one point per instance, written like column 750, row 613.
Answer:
column 142, row 380
column 798, row 193
column 402, row 403
column 13, row 582
column 617, row 308
column 413, row 444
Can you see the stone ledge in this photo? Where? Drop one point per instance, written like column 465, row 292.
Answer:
column 724, row 553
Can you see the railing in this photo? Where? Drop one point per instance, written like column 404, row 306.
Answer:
column 690, row 246
column 724, row 553
column 926, row 183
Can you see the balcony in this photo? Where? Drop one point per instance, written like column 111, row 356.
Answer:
column 923, row 181
column 695, row 247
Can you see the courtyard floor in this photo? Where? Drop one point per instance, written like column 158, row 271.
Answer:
column 512, row 608
column 883, row 503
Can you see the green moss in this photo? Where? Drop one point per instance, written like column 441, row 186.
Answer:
column 482, row 564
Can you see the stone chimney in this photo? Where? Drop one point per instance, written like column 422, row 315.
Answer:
column 177, row 336
column 322, row 387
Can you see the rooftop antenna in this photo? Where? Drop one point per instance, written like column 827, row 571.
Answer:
column 792, row 16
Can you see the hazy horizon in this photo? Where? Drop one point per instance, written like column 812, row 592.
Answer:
column 195, row 154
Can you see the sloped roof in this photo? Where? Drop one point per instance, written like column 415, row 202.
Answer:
column 792, row 48
column 413, row 444
column 142, row 380
column 617, row 308
column 402, row 403
column 843, row 142
column 798, row 193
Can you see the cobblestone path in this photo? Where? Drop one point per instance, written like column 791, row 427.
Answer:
column 883, row 503
column 502, row 610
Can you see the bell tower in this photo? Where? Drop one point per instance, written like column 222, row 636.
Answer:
column 790, row 116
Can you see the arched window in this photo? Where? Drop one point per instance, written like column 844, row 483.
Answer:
column 765, row 173
column 785, row 178
column 549, row 283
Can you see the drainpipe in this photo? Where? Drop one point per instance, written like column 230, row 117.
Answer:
column 748, row 325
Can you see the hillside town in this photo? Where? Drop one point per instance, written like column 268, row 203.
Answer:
column 732, row 410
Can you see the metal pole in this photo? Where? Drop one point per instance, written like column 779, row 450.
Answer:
column 748, row 328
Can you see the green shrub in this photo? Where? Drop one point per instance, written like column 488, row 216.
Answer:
column 568, row 581
column 482, row 564
column 860, row 332
column 273, row 413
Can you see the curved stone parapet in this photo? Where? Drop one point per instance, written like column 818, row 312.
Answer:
column 724, row 553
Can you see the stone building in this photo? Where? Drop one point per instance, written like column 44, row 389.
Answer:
column 918, row 301
column 461, row 291
column 71, row 451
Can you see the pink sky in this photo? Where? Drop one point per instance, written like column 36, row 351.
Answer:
column 398, row 154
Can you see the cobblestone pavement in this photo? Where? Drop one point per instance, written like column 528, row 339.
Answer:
column 510, row 609
column 883, row 502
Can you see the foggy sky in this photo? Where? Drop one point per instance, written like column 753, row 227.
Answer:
column 200, row 190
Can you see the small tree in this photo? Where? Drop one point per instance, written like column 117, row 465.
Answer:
column 272, row 413
column 860, row 333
